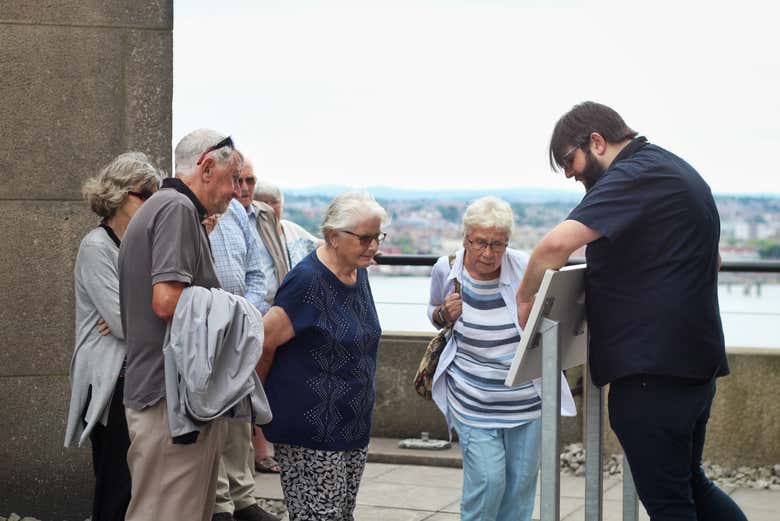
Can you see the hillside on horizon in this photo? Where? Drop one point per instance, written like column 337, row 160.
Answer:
column 522, row 194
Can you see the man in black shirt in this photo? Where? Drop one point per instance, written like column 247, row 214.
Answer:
column 651, row 229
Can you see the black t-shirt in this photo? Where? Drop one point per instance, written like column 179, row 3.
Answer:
column 652, row 279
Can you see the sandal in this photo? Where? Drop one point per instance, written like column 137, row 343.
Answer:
column 267, row 466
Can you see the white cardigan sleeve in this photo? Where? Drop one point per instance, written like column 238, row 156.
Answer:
column 440, row 285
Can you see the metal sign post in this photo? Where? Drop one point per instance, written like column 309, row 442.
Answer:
column 594, row 449
column 550, row 500
column 630, row 503
column 555, row 337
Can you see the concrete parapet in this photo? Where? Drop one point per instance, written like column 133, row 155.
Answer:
column 400, row 413
column 744, row 426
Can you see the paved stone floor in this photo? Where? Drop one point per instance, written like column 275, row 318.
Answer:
column 400, row 492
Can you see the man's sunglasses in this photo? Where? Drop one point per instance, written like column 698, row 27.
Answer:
column 227, row 142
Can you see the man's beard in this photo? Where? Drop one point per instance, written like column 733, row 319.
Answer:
column 592, row 171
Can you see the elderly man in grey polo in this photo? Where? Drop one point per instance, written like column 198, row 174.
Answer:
column 166, row 249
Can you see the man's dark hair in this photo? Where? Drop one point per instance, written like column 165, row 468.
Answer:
column 574, row 129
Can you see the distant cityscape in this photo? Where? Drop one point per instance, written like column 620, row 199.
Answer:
column 428, row 222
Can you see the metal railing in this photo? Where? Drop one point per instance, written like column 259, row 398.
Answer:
column 594, row 413
column 748, row 266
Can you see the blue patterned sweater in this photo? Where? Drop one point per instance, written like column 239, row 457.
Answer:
column 321, row 384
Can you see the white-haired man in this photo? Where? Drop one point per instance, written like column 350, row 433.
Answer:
column 166, row 249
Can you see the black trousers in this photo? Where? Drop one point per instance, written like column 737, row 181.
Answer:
column 661, row 424
column 109, row 459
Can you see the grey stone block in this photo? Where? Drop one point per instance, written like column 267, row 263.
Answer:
column 74, row 98
column 40, row 240
column 149, row 92
column 156, row 14
column 38, row 476
column 62, row 105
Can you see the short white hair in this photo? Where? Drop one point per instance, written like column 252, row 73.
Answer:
column 191, row 146
column 264, row 189
column 347, row 210
column 488, row 212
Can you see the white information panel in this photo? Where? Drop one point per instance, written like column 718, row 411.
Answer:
column 561, row 298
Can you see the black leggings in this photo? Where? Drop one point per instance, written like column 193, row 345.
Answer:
column 109, row 460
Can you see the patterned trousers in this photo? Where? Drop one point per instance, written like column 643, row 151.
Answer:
column 320, row 485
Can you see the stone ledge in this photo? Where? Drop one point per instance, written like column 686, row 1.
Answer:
column 156, row 14
column 386, row 450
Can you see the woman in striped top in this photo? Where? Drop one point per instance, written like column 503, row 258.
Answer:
column 498, row 426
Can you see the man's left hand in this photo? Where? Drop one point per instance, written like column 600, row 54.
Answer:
column 523, row 312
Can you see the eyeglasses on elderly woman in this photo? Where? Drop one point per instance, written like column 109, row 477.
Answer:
column 366, row 240
column 480, row 245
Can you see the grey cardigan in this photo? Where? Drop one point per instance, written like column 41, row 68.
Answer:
column 211, row 349
column 97, row 359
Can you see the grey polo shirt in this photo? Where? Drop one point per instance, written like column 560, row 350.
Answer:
column 164, row 242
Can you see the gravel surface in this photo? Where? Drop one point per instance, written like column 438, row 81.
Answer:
column 760, row 477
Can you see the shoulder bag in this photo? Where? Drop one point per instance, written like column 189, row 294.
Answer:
column 423, row 380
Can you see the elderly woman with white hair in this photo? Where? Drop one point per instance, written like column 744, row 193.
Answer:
column 499, row 427
column 319, row 363
column 97, row 368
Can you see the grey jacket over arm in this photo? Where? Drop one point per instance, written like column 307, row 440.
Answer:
column 212, row 347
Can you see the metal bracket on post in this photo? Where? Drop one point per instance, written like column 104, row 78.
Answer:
column 594, row 449
column 630, row 502
column 551, row 410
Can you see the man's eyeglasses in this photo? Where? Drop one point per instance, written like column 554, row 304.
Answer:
column 227, row 142
column 366, row 240
column 142, row 195
column 480, row 245
column 568, row 157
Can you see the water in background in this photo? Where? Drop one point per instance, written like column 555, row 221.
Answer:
column 751, row 318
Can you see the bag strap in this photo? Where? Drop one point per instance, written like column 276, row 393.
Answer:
column 455, row 281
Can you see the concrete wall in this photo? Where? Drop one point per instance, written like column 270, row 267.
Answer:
column 744, row 427
column 81, row 82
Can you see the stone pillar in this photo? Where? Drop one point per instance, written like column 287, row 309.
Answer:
column 80, row 82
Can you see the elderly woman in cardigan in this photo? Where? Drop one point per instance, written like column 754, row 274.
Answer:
column 97, row 368
column 499, row 427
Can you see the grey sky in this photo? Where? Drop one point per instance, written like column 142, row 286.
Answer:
column 428, row 93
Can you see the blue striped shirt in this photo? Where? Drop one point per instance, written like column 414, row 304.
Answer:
column 486, row 340
column 237, row 255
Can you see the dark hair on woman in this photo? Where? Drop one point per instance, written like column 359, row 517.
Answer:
column 574, row 129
